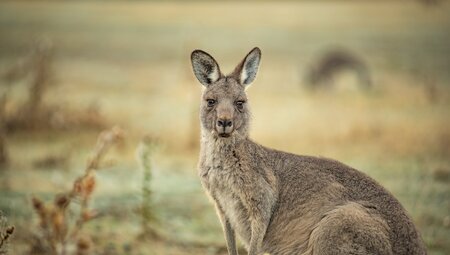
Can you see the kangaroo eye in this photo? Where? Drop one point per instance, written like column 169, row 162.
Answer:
column 211, row 102
column 239, row 104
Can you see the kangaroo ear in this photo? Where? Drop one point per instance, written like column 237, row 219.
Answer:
column 205, row 67
column 246, row 71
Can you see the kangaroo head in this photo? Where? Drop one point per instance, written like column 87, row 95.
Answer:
column 224, row 111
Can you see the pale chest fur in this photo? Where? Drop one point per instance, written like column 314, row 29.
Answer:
column 223, row 176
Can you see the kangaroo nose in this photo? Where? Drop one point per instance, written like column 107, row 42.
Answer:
column 224, row 123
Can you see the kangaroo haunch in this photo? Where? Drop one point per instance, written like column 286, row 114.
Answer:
column 281, row 203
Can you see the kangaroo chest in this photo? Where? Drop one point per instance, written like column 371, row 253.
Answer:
column 223, row 178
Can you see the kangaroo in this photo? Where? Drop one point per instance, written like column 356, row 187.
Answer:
column 280, row 203
column 321, row 74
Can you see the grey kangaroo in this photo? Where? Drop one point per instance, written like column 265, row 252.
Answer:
column 321, row 74
column 281, row 203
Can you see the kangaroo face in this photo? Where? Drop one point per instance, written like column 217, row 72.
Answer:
column 224, row 109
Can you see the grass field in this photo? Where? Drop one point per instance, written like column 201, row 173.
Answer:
column 131, row 60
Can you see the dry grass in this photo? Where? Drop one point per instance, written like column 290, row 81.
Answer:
column 36, row 69
column 60, row 231
column 6, row 232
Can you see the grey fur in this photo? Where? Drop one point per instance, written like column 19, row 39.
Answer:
column 281, row 203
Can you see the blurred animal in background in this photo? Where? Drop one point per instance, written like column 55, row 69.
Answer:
column 324, row 71
column 281, row 203
column 430, row 3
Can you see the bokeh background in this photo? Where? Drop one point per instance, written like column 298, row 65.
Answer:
column 71, row 69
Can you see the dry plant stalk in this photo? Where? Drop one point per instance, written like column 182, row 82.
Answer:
column 41, row 62
column 37, row 71
column 5, row 233
column 145, row 149
column 59, row 230
column 38, row 66
column 4, row 157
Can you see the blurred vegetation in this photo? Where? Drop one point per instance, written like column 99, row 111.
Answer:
column 69, row 70
column 59, row 228
column 145, row 151
column 6, row 232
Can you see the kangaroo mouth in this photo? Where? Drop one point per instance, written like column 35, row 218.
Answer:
column 224, row 132
column 224, row 135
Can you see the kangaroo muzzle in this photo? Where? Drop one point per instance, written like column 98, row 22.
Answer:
column 224, row 127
